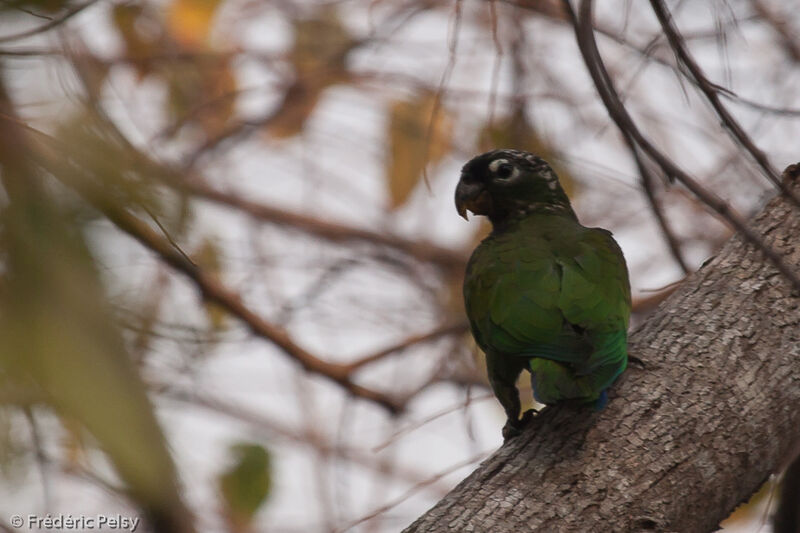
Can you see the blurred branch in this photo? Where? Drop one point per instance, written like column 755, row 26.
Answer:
column 214, row 291
column 436, row 333
column 789, row 39
column 274, row 427
column 605, row 87
column 413, row 490
column 211, row 288
column 41, row 459
column 192, row 183
column 711, row 91
column 50, row 25
column 648, row 185
column 420, row 423
column 332, row 231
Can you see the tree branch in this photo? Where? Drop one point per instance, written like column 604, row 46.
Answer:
column 684, row 440
column 49, row 25
column 332, row 231
column 605, row 87
column 711, row 91
column 215, row 291
column 210, row 287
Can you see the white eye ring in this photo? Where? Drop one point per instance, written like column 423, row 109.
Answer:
column 497, row 163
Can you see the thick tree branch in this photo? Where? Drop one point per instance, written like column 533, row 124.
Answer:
column 682, row 441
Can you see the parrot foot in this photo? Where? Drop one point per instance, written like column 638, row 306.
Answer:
column 514, row 427
column 634, row 359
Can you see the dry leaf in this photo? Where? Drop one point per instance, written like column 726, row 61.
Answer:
column 414, row 141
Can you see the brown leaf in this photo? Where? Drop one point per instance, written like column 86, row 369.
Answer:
column 203, row 94
column 414, row 141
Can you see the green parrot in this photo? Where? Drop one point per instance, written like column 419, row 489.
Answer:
column 542, row 292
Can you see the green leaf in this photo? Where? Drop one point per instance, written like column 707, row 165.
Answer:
column 246, row 484
column 58, row 335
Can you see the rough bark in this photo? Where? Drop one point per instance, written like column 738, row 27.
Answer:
column 683, row 440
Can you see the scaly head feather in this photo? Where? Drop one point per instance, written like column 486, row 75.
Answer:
column 508, row 184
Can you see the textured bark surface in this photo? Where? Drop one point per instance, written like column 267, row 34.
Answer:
column 683, row 440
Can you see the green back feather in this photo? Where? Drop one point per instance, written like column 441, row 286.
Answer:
column 549, row 289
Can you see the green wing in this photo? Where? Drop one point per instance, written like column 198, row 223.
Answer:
column 557, row 293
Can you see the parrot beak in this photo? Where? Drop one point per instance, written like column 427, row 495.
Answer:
column 472, row 196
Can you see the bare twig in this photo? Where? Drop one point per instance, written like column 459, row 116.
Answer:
column 788, row 38
column 275, row 428
column 711, row 91
column 413, row 490
column 41, row 458
column 332, row 231
column 452, row 46
column 648, row 186
column 213, row 290
column 50, row 25
column 211, row 287
column 437, row 333
column 594, row 63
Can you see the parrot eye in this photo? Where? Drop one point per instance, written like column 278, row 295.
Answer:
column 503, row 169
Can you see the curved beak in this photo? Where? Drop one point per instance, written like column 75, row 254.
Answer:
column 471, row 196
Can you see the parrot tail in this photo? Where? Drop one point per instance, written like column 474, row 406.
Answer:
column 553, row 382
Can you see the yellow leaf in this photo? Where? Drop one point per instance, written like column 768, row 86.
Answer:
column 189, row 21
column 416, row 137
column 753, row 509
column 208, row 258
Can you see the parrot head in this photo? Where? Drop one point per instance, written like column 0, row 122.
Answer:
column 504, row 183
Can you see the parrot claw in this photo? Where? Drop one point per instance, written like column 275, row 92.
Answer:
column 510, row 430
column 513, row 428
column 634, row 359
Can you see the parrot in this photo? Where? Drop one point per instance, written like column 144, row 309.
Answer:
column 542, row 292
